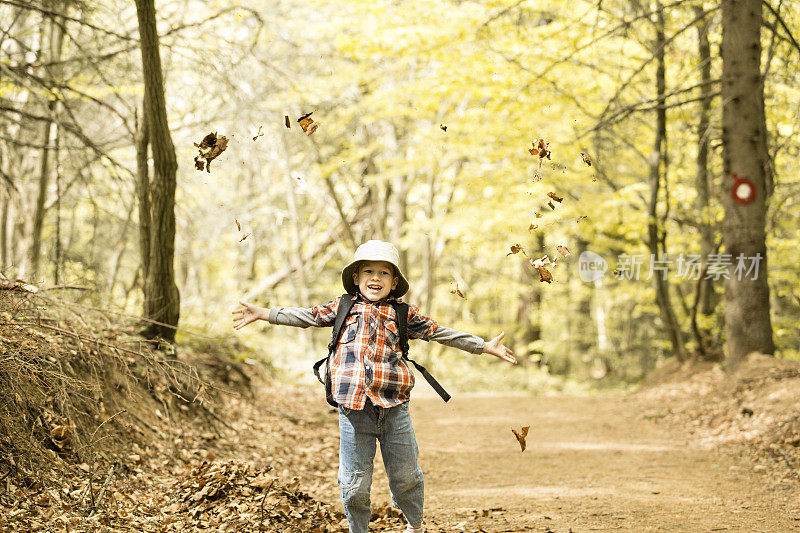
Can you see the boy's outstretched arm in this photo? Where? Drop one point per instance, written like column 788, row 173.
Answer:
column 497, row 348
column 249, row 313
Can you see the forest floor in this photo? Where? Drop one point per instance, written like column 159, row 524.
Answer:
column 694, row 450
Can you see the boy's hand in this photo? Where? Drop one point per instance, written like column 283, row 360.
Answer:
column 495, row 347
column 250, row 313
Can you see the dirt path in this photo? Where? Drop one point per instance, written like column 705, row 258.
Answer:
column 592, row 464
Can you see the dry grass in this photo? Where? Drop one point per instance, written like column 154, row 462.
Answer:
column 75, row 387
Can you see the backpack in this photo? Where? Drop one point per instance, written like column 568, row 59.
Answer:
column 401, row 312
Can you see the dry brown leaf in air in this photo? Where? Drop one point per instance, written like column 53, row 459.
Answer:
column 521, row 436
column 238, row 226
column 258, row 134
column 458, row 291
column 538, row 215
column 244, row 237
column 443, row 127
column 540, row 148
column 550, row 205
column 555, row 197
column 210, row 148
column 544, row 275
column 580, row 218
column 532, row 227
column 286, row 121
column 308, row 124
column 515, row 249
column 586, row 158
column 563, row 250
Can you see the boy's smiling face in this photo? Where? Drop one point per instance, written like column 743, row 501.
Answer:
column 375, row 279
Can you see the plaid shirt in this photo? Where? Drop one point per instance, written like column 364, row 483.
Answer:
column 368, row 362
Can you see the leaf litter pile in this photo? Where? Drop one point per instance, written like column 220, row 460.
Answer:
column 751, row 410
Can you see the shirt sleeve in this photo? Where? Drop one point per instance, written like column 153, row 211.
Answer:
column 419, row 326
column 422, row 327
column 302, row 317
column 458, row 339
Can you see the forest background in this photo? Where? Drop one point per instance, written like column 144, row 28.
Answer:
column 429, row 118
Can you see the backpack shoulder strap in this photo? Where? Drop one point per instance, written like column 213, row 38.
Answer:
column 345, row 305
column 401, row 311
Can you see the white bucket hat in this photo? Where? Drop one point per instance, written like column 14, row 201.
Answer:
column 375, row 250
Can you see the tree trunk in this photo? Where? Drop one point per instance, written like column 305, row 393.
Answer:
column 744, row 153
column 161, row 296
column 708, row 296
column 142, row 144
column 4, row 263
column 529, row 310
column 52, row 52
column 658, row 166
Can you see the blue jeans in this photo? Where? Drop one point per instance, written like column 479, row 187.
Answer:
column 358, row 433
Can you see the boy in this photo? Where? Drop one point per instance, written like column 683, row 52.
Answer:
column 371, row 382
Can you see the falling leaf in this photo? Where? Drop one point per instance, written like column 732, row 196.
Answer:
column 544, row 260
column 581, row 218
column 550, row 205
column 532, row 227
column 238, row 226
column 586, row 158
column 210, row 148
column 536, row 175
column 443, row 127
column 521, row 436
column 563, row 250
column 544, row 275
column 308, row 124
column 555, row 197
column 259, row 134
column 244, row 237
column 286, row 121
column 515, row 249
column 538, row 214
column 458, row 291
column 540, row 148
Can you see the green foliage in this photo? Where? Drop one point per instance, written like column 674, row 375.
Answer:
column 383, row 79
